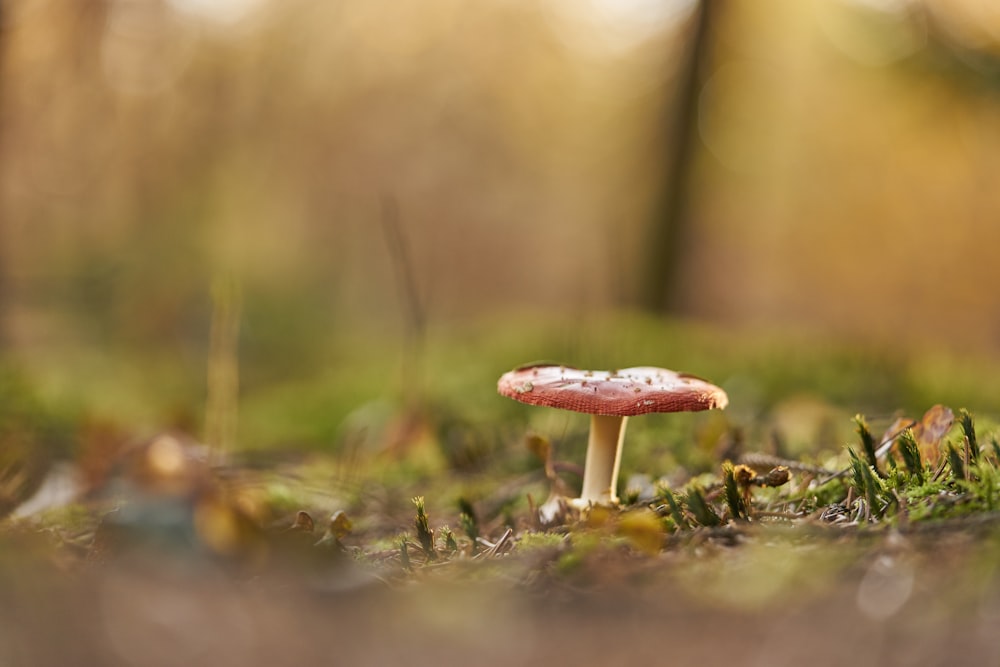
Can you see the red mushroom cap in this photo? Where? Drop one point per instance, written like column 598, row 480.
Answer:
column 623, row 393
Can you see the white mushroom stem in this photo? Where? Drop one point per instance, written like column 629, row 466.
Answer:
column 604, row 456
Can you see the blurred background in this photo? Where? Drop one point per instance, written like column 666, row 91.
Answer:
column 264, row 222
column 312, row 234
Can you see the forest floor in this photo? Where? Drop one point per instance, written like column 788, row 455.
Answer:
column 350, row 529
column 179, row 562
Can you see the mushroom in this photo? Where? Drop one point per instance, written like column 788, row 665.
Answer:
column 609, row 397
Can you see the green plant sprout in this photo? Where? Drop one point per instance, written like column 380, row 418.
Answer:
column 424, row 533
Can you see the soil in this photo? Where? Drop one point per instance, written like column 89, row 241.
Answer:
column 747, row 598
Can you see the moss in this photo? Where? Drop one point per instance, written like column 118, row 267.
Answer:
column 538, row 541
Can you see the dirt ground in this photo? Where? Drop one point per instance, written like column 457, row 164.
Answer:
column 901, row 599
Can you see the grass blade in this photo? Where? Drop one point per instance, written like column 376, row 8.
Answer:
column 867, row 442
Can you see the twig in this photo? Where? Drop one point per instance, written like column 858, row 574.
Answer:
column 759, row 460
column 886, row 444
column 413, row 315
column 405, row 278
column 222, row 403
column 494, row 549
column 780, row 515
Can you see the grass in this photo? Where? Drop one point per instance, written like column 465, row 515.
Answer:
column 320, row 395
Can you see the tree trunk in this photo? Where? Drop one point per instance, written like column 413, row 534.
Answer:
column 661, row 289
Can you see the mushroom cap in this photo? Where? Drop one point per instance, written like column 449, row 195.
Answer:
column 623, row 393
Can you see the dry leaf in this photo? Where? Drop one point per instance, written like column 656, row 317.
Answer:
column 931, row 430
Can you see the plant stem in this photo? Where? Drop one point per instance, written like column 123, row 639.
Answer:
column 604, row 453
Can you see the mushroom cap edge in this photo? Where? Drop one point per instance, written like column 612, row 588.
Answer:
column 626, row 392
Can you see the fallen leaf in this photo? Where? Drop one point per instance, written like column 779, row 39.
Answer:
column 932, row 428
column 643, row 529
